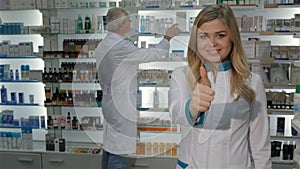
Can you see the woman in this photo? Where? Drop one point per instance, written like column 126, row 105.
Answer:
column 219, row 104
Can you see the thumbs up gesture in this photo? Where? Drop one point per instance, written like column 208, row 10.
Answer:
column 202, row 95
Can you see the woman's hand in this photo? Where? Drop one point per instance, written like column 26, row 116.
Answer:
column 202, row 95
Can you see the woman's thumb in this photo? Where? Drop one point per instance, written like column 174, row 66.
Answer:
column 203, row 77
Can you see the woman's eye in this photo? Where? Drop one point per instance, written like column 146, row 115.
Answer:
column 221, row 35
column 202, row 36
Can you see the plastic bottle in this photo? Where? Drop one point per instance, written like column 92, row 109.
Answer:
column 87, row 24
column 18, row 140
column 62, row 120
column 24, row 138
column 79, row 24
column 296, row 104
column 69, row 121
column 94, row 23
column 4, row 140
column 11, row 74
column 1, row 139
column 17, row 75
column 297, row 100
column 23, row 72
column 29, row 138
column 142, row 29
column 155, row 98
column 296, row 156
column 55, row 122
column 27, row 70
column 139, row 99
column 74, row 123
column 3, row 94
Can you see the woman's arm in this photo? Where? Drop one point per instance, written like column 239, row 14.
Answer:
column 259, row 135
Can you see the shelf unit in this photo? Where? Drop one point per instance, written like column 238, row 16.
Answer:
column 54, row 42
column 29, row 87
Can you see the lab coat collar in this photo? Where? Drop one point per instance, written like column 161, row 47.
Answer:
column 224, row 66
column 114, row 35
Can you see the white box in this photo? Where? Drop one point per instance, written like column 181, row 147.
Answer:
column 57, row 3
column 1, row 50
column 21, row 48
column 44, row 4
column 16, row 50
column 295, row 72
column 54, row 44
column 50, row 4
column 28, row 48
column 72, row 26
column 249, row 48
column 5, row 47
column 38, row 4
column 181, row 20
column 62, row 26
column 54, row 22
column 11, row 50
column 64, row 3
column 47, row 44
column 31, row 4
column 263, row 49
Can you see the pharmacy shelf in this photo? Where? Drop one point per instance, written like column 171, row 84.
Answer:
column 153, row 84
column 95, row 35
column 80, row 86
column 76, row 9
column 280, row 112
column 275, row 160
column 72, row 106
column 154, row 109
column 19, row 81
column 160, row 35
column 287, row 138
column 158, row 130
column 279, row 86
column 23, row 104
column 77, row 60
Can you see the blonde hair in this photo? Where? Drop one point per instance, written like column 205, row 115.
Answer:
column 240, row 71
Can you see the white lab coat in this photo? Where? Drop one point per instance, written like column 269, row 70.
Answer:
column 231, row 129
column 117, row 61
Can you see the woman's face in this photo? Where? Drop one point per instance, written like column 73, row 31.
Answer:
column 213, row 42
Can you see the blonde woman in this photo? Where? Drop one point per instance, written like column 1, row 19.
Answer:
column 219, row 104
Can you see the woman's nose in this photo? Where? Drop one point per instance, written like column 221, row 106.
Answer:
column 213, row 41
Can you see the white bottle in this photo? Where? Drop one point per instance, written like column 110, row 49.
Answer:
column 297, row 101
column 29, row 138
column 94, row 23
column 296, row 156
column 139, row 99
column 155, row 98
column 296, row 119
column 17, row 75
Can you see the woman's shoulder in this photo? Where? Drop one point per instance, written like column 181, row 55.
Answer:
column 181, row 71
column 255, row 80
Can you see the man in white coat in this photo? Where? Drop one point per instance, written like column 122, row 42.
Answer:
column 117, row 60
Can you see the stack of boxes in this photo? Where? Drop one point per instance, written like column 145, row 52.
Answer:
column 257, row 48
column 21, row 49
